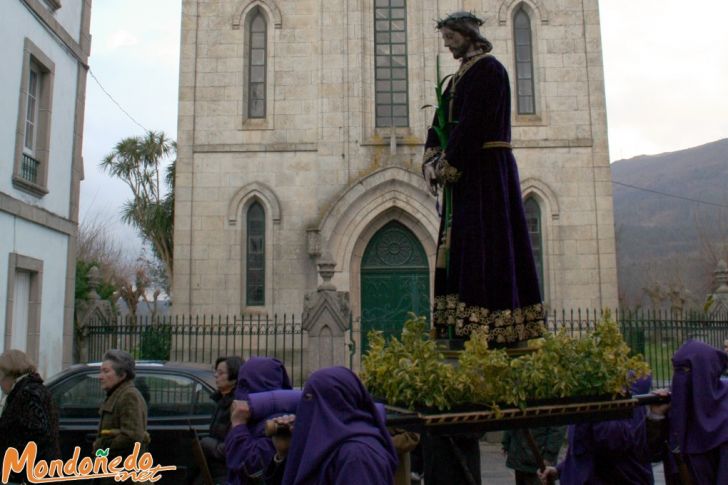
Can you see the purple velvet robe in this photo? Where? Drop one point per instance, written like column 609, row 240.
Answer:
column 609, row 452
column 490, row 277
column 699, row 411
column 339, row 437
column 248, row 451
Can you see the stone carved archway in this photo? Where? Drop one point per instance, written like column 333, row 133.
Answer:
column 390, row 194
column 270, row 7
column 537, row 6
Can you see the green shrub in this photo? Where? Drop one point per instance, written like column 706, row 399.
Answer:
column 412, row 372
column 155, row 343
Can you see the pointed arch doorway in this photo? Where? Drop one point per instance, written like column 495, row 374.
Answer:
column 395, row 280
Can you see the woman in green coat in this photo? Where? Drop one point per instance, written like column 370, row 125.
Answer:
column 124, row 412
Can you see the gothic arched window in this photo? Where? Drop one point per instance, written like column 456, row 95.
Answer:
column 390, row 59
column 255, row 256
column 533, row 220
column 524, row 62
column 257, row 64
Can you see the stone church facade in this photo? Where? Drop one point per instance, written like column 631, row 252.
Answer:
column 301, row 134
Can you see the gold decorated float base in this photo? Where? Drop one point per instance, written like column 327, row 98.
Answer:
column 487, row 419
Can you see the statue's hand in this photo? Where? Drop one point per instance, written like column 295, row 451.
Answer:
column 428, row 171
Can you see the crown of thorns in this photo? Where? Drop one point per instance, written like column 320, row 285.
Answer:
column 459, row 17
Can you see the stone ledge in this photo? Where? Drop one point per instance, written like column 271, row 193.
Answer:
column 573, row 143
column 80, row 52
column 29, row 187
column 37, row 215
column 256, row 147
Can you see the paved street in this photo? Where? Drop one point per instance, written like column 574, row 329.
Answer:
column 495, row 472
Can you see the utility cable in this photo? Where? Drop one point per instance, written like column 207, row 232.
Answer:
column 90, row 71
column 665, row 194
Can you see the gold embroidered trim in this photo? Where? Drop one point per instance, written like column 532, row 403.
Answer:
column 431, row 153
column 505, row 326
column 446, row 173
column 497, row 144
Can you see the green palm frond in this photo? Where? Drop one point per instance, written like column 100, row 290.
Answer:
column 138, row 162
column 442, row 125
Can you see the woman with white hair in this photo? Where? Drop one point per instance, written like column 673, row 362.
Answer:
column 29, row 413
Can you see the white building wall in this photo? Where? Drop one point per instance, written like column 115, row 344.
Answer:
column 37, row 229
column 7, row 236
column 17, row 23
column 69, row 16
column 51, row 247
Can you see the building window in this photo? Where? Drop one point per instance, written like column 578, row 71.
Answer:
column 533, row 220
column 257, row 57
column 32, row 145
column 22, row 319
column 524, row 62
column 255, row 256
column 31, row 115
column 390, row 44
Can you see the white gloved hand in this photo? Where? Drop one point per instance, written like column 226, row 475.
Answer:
column 428, row 171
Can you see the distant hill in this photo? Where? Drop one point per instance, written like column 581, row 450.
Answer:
column 663, row 240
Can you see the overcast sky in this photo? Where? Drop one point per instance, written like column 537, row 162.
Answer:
column 666, row 70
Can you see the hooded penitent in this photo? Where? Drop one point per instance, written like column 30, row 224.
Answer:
column 248, row 451
column 699, row 410
column 339, row 435
column 260, row 374
column 609, row 452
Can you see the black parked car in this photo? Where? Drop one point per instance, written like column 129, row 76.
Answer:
column 178, row 396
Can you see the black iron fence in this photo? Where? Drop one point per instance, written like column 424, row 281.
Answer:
column 199, row 339
column 654, row 334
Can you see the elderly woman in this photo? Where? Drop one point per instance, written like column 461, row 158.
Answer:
column 29, row 413
column 339, row 436
column 124, row 412
column 213, row 445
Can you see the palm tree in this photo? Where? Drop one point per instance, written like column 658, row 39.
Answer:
column 137, row 161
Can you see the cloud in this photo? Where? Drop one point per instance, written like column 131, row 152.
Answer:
column 665, row 74
column 121, row 38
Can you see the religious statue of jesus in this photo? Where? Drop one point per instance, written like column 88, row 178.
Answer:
column 485, row 273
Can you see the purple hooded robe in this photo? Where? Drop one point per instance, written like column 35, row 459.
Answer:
column 699, row 411
column 339, row 438
column 609, row 452
column 248, row 451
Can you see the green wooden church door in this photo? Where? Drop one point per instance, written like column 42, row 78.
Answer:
column 395, row 280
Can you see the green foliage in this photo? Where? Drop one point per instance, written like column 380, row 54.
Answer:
column 155, row 343
column 412, row 372
column 105, row 289
column 486, row 372
column 441, row 126
column 137, row 161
